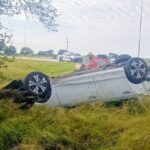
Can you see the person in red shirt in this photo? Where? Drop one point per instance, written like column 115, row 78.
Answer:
column 92, row 61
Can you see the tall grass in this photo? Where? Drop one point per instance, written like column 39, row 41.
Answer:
column 93, row 126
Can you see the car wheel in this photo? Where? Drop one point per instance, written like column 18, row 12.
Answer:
column 136, row 70
column 122, row 58
column 37, row 84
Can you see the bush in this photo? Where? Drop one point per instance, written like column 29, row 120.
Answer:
column 26, row 51
column 10, row 51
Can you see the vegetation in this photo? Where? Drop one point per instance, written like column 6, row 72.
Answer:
column 20, row 68
column 39, row 10
column 10, row 50
column 45, row 53
column 61, row 51
column 26, row 51
column 93, row 126
column 2, row 45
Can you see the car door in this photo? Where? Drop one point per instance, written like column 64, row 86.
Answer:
column 76, row 89
column 112, row 85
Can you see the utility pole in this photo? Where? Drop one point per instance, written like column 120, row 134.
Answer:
column 25, row 40
column 67, row 41
column 140, row 29
column 11, row 32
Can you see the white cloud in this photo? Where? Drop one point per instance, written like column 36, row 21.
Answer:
column 97, row 11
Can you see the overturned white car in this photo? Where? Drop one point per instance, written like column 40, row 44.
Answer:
column 112, row 82
column 123, row 80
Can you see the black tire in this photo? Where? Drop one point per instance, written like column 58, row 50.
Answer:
column 136, row 70
column 37, row 84
column 122, row 58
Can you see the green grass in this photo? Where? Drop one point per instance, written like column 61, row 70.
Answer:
column 20, row 68
column 93, row 126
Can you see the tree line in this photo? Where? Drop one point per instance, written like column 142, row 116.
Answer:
column 12, row 50
column 27, row 51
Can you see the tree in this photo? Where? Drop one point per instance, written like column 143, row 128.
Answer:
column 49, row 52
column 26, row 51
column 4, row 38
column 46, row 53
column 41, row 10
column 41, row 53
column 2, row 45
column 10, row 51
column 61, row 51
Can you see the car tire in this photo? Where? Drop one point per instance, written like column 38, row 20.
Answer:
column 136, row 70
column 122, row 58
column 37, row 84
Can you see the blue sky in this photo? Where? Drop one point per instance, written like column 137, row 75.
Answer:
column 101, row 26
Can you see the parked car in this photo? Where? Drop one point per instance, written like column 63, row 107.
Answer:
column 102, row 60
column 112, row 57
column 70, row 57
column 112, row 82
column 108, row 58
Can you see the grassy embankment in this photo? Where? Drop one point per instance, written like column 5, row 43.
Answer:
column 87, row 127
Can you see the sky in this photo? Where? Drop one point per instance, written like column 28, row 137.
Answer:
column 100, row 26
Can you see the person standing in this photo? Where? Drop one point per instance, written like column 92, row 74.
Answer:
column 92, row 61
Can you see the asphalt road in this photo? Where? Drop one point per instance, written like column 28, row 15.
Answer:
column 39, row 59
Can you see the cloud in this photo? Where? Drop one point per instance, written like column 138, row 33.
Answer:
column 97, row 11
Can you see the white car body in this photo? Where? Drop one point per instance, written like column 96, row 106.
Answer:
column 107, row 85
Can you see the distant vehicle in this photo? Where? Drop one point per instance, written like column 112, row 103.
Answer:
column 102, row 60
column 108, row 58
column 70, row 57
column 112, row 82
column 112, row 57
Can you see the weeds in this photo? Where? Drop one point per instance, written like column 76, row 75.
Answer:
column 81, row 128
column 6, row 59
column 94, row 126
